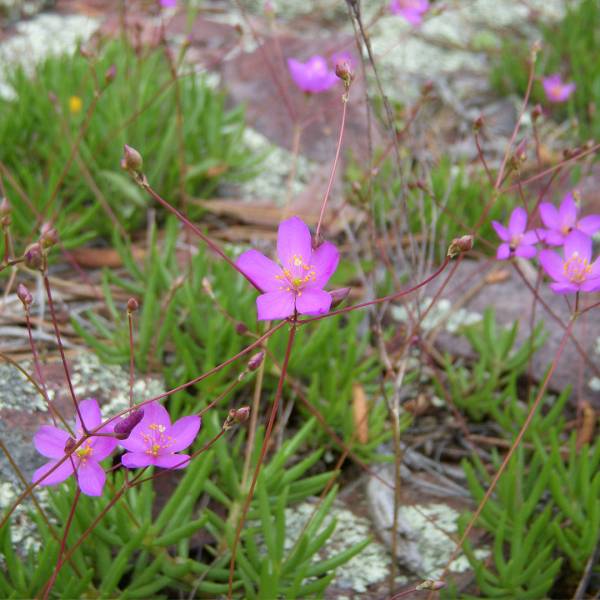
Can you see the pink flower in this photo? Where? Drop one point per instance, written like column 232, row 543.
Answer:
column 516, row 241
column 312, row 77
column 564, row 220
column 556, row 90
column 154, row 441
column 297, row 285
column 51, row 441
column 573, row 273
column 168, row 3
column 411, row 10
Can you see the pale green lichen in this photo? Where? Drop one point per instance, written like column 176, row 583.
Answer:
column 369, row 567
column 17, row 392
column 442, row 313
column 275, row 170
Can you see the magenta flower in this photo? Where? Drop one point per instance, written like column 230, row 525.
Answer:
column 574, row 272
column 168, row 3
column 297, row 285
column 560, row 222
column 312, row 77
column 516, row 241
column 51, row 441
column 154, row 441
column 557, row 90
column 411, row 10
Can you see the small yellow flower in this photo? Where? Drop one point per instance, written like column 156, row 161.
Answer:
column 75, row 104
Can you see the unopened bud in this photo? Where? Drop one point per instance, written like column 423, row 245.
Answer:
column 427, row 88
column 460, row 245
column 132, row 305
column 69, row 445
column 110, row 74
column 521, row 151
column 478, row 123
column 240, row 415
column 430, row 584
column 132, row 160
column 256, row 360
column 241, row 328
column 5, row 213
column 124, row 427
column 536, row 113
column 49, row 236
column 535, row 48
column 33, row 256
column 24, row 295
column 339, row 295
column 343, row 69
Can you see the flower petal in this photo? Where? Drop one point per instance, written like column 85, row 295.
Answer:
column 297, row 71
column 59, row 474
column 50, row 441
column 518, row 221
column 503, row 252
column 554, row 238
column 578, row 242
column 564, row 288
column 525, row 251
column 102, row 446
column 553, row 264
column 91, row 477
column 567, row 212
column 589, row 225
column 172, row 461
column 90, row 411
column 595, row 269
column 502, row 232
column 532, row 237
column 324, row 260
column 135, row 460
column 293, row 239
column 259, row 269
column 184, row 432
column 591, row 285
column 549, row 215
column 275, row 305
column 312, row 301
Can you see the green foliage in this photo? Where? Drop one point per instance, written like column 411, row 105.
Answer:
column 488, row 386
column 570, row 47
column 139, row 107
column 450, row 204
column 134, row 552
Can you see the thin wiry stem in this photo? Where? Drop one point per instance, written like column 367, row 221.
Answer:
column 263, row 451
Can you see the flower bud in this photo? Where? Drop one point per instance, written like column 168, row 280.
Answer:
column 124, row 427
column 478, row 123
column 49, row 236
column 343, row 69
column 132, row 160
column 240, row 328
column 33, row 256
column 430, row 584
column 536, row 113
column 110, row 74
column 69, row 445
column 5, row 213
column 206, row 285
column 460, row 245
column 132, row 305
column 339, row 295
column 256, row 360
column 24, row 295
column 240, row 415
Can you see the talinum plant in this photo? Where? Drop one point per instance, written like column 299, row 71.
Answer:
column 290, row 289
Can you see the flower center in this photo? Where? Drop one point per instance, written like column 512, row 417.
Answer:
column 515, row 241
column 85, row 451
column 296, row 275
column 576, row 269
column 155, row 439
